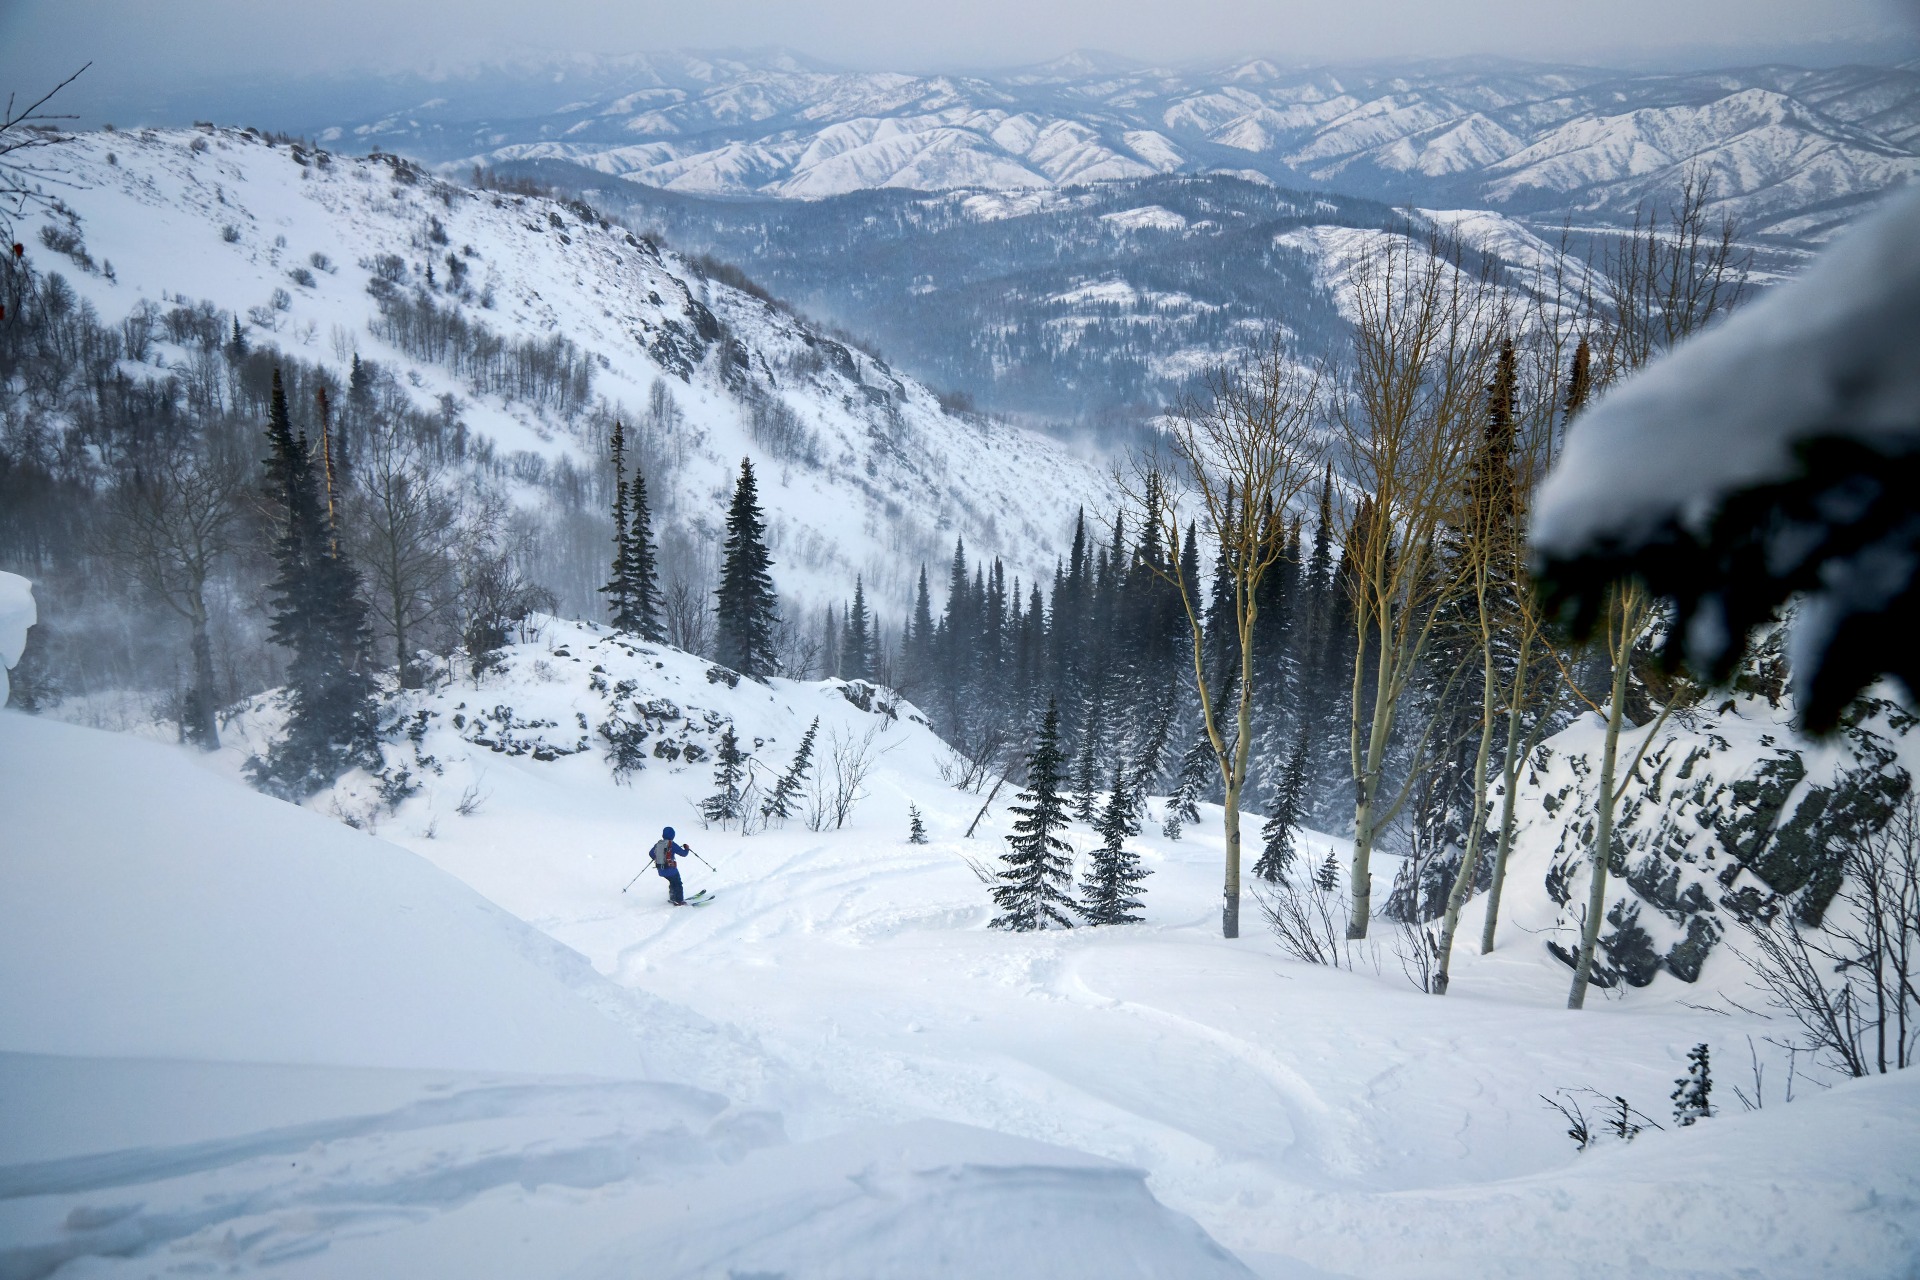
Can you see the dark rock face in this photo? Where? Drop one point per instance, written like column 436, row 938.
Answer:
column 1731, row 817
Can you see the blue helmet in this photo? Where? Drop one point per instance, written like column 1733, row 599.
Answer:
column 668, row 833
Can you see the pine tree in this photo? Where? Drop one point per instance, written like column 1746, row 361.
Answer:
column 856, row 653
column 729, row 773
column 916, row 825
column 237, row 344
column 1692, row 1093
column 1196, row 771
column 1033, row 893
column 317, row 613
column 360, row 384
column 916, row 646
column 746, row 603
column 1110, row 892
column 642, row 565
column 1283, row 815
column 780, row 801
column 1086, row 786
column 1327, row 878
column 619, row 601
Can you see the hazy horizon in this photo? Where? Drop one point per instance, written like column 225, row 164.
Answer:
column 141, row 49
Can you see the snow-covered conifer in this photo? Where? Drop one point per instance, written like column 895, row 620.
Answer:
column 1110, row 892
column 916, row 825
column 779, row 803
column 856, row 651
column 729, row 774
column 1195, row 773
column 1692, row 1091
column 1032, row 893
column 1283, row 816
column 745, row 603
column 319, row 616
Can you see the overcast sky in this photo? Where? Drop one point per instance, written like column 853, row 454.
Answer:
column 163, row 41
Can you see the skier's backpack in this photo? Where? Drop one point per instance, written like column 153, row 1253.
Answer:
column 659, row 854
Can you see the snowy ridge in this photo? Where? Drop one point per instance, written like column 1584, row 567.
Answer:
column 868, row 474
column 1779, row 142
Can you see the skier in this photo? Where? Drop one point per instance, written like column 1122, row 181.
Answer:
column 665, row 855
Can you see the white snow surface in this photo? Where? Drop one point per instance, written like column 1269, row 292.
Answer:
column 1315, row 1122
column 235, row 1035
column 17, row 614
column 1829, row 353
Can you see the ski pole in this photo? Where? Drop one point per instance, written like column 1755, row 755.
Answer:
column 636, row 877
column 703, row 862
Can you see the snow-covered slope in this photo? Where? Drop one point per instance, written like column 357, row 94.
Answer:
column 1315, row 1121
column 1780, row 142
column 861, row 469
column 236, row 1035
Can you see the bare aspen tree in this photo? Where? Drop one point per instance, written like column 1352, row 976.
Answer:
column 1247, row 441
column 1405, row 428
column 1627, row 615
column 171, row 524
column 1661, row 286
column 407, row 526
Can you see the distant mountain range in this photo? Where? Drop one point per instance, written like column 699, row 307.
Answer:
column 1792, row 152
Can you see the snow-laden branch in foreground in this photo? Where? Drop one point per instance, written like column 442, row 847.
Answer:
column 1776, row 456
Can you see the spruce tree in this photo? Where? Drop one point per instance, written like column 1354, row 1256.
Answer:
column 746, row 603
column 1033, row 890
column 1692, row 1093
column 856, row 651
column 916, row 825
column 1283, row 815
column 729, row 773
column 642, row 565
column 1086, row 786
column 360, row 384
column 617, row 588
column 318, row 615
column 1327, row 878
column 916, row 646
column 1196, row 771
column 779, row 802
column 1110, row 892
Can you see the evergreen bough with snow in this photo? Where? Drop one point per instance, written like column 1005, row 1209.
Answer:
column 1692, row 1092
column 319, row 616
column 1110, row 893
column 1032, row 893
column 916, row 825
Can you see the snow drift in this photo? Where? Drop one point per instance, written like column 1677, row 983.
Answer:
column 240, row 1034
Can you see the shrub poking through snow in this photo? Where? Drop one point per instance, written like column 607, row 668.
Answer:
column 916, row 826
column 1032, row 892
column 1692, row 1091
